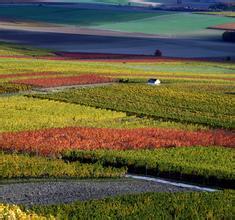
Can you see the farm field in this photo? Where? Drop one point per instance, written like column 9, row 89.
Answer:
column 73, row 153
column 227, row 26
column 150, row 22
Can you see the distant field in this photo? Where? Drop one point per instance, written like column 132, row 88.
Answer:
column 159, row 69
column 72, row 16
column 94, row 1
column 156, row 22
column 78, row 1
column 169, row 24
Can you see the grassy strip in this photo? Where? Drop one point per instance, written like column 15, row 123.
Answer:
column 195, row 205
column 22, row 166
column 170, row 102
column 13, row 88
column 212, row 166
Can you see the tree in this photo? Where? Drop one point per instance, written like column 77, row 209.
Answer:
column 229, row 36
column 158, row 53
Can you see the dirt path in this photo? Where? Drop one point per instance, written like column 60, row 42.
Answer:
column 56, row 192
column 61, row 88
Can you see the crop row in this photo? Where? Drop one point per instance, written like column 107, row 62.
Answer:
column 167, row 102
column 55, row 140
column 65, row 81
column 20, row 166
column 13, row 88
column 194, row 205
column 213, row 165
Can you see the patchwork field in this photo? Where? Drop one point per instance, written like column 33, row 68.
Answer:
column 78, row 144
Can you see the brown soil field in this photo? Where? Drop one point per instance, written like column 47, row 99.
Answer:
column 226, row 27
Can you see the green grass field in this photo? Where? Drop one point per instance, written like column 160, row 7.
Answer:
column 72, row 16
column 169, row 24
column 156, row 22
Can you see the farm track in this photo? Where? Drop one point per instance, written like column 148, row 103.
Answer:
column 54, row 89
column 67, row 191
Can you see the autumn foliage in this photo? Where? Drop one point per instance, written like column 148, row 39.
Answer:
column 66, row 81
column 53, row 141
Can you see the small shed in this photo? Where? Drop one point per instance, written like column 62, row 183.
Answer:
column 154, row 82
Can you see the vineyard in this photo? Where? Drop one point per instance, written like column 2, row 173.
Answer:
column 13, row 88
column 159, row 205
column 50, row 142
column 20, row 166
column 204, row 165
column 166, row 102
column 93, row 135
